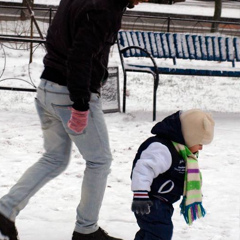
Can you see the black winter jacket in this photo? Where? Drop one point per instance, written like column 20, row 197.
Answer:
column 170, row 182
column 78, row 44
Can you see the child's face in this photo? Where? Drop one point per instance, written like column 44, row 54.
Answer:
column 196, row 148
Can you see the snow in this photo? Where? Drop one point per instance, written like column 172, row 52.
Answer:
column 50, row 214
column 182, row 8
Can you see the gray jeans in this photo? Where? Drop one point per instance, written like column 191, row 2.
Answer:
column 53, row 106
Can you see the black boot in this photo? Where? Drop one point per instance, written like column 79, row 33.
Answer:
column 7, row 228
column 100, row 234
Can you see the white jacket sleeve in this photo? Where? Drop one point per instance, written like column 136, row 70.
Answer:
column 154, row 160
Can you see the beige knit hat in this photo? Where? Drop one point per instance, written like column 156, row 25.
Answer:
column 197, row 127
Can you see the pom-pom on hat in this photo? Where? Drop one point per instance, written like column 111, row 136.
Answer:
column 197, row 127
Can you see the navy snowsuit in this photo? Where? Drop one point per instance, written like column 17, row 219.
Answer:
column 159, row 169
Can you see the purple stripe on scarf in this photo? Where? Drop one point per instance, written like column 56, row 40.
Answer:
column 196, row 210
column 193, row 170
column 192, row 214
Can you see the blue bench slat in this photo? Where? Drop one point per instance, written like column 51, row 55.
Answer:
column 222, row 48
column 147, row 42
column 141, row 43
column 230, row 49
column 237, row 48
column 191, row 48
column 171, row 45
column 203, row 47
column 124, row 42
column 184, row 46
column 131, row 43
column 210, row 52
column 159, row 45
column 128, row 42
column 178, row 44
column 197, row 47
column 165, row 45
column 154, row 50
column 120, row 33
column 216, row 49
column 135, row 42
column 198, row 72
column 189, row 71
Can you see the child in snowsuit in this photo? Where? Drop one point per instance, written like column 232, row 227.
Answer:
column 166, row 168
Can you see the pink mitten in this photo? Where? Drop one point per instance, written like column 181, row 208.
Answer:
column 78, row 121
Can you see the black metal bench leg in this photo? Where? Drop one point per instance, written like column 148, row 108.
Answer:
column 155, row 86
column 154, row 105
column 124, row 91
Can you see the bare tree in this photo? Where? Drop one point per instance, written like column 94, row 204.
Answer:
column 217, row 15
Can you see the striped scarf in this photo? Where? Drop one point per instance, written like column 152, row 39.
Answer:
column 191, row 205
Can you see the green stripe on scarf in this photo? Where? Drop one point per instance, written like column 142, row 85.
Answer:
column 191, row 205
column 192, row 185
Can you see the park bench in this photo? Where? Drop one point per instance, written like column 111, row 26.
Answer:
column 215, row 56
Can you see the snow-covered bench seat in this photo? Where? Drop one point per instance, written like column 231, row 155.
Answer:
column 176, row 53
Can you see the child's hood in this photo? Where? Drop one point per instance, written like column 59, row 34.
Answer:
column 170, row 128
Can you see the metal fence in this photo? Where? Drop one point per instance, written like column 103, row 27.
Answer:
column 15, row 63
column 16, row 21
column 180, row 24
column 18, row 73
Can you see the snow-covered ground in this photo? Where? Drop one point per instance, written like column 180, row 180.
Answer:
column 51, row 212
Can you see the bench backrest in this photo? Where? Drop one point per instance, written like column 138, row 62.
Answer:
column 177, row 45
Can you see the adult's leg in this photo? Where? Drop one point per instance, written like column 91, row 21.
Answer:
column 93, row 144
column 57, row 146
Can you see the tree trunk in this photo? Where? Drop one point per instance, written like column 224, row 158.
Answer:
column 217, row 15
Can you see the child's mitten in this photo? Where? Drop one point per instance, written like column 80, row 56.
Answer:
column 141, row 203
